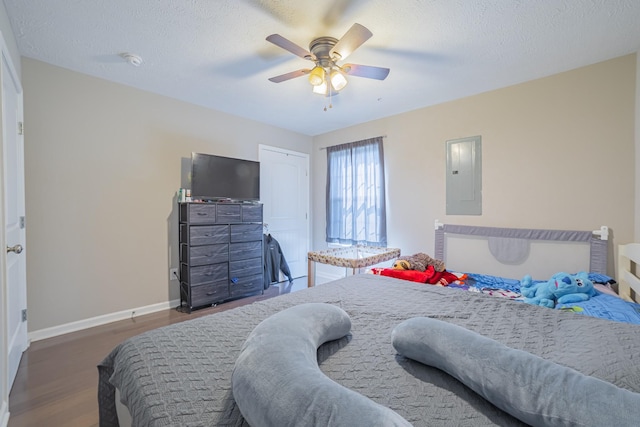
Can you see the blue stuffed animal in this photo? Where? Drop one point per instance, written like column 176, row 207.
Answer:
column 537, row 293
column 562, row 288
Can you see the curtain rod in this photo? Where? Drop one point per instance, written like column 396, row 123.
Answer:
column 324, row 148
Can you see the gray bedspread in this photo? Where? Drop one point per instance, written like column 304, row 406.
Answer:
column 180, row 375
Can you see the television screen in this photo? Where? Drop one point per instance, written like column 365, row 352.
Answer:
column 217, row 177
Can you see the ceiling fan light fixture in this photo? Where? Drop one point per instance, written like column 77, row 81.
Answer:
column 320, row 89
column 338, row 80
column 316, row 76
column 327, row 77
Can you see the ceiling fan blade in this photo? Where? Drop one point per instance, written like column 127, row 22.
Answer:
column 289, row 76
column 352, row 40
column 339, row 9
column 367, row 71
column 280, row 41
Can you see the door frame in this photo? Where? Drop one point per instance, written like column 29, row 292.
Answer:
column 307, row 157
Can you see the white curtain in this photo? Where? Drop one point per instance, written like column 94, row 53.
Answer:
column 356, row 211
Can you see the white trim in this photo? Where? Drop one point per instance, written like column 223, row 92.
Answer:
column 54, row 331
column 282, row 150
column 4, row 414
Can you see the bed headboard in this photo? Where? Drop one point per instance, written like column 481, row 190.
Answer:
column 627, row 274
column 511, row 246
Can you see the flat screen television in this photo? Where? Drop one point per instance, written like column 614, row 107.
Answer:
column 216, row 178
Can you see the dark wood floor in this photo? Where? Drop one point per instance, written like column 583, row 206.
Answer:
column 57, row 380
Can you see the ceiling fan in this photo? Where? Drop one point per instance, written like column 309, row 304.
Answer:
column 328, row 77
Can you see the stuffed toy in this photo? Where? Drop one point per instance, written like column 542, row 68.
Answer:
column 419, row 262
column 562, row 288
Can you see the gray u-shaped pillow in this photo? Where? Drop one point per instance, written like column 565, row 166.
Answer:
column 534, row 390
column 277, row 382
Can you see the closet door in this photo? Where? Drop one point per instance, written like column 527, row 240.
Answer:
column 284, row 191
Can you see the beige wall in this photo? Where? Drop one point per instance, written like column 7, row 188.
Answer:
column 637, row 157
column 557, row 152
column 103, row 163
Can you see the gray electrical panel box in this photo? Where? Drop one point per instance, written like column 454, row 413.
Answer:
column 464, row 176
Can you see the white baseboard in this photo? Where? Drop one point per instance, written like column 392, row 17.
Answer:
column 324, row 278
column 328, row 273
column 100, row 320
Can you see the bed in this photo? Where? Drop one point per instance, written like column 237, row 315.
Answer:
column 628, row 260
column 182, row 374
column 509, row 252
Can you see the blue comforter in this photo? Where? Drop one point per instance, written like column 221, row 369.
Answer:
column 603, row 305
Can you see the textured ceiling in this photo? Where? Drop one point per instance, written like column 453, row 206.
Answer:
column 213, row 53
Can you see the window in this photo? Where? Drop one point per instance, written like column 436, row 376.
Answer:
column 356, row 211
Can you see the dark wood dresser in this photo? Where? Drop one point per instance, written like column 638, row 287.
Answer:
column 221, row 254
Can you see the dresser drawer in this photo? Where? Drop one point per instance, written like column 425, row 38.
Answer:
column 245, row 267
column 247, row 285
column 209, row 254
column 244, row 250
column 209, row 293
column 251, row 213
column 229, row 213
column 208, row 273
column 208, row 234
column 200, row 213
column 246, row 232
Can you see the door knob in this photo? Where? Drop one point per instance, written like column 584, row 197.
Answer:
column 17, row 248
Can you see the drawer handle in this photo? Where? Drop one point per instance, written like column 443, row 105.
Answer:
column 17, row 249
column 210, row 293
column 201, row 213
column 208, row 274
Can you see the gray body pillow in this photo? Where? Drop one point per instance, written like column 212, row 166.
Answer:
column 534, row 390
column 276, row 380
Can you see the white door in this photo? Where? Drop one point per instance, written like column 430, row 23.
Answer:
column 284, row 192
column 15, row 303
